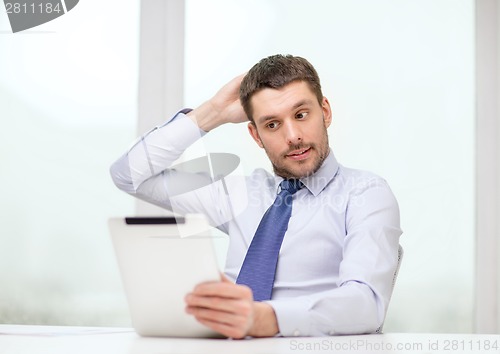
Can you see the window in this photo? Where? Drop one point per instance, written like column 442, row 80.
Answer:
column 400, row 78
column 68, row 93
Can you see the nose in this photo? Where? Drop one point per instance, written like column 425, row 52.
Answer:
column 293, row 133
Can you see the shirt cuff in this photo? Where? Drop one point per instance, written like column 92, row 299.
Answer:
column 293, row 316
column 180, row 113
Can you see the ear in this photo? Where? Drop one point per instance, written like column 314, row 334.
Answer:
column 327, row 112
column 252, row 129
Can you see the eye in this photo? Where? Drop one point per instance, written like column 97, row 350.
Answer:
column 272, row 125
column 301, row 115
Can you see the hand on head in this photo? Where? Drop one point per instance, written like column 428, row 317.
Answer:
column 224, row 107
column 227, row 101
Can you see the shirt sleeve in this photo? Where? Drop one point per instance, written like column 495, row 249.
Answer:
column 145, row 172
column 366, row 277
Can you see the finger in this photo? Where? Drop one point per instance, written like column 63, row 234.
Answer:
column 228, row 324
column 217, row 316
column 223, row 289
column 224, row 329
column 241, row 307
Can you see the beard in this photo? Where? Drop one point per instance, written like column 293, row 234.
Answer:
column 300, row 169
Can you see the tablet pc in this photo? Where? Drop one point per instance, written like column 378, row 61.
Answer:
column 161, row 259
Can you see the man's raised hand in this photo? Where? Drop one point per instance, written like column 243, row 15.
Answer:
column 223, row 107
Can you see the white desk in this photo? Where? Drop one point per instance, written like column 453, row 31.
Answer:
column 80, row 340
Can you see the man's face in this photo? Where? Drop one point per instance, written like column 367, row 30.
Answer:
column 290, row 125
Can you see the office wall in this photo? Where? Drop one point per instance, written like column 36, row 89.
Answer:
column 487, row 172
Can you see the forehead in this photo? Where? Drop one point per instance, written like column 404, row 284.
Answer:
column 284, row 98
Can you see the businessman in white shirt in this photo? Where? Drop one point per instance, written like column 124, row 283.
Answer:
column 339, row 252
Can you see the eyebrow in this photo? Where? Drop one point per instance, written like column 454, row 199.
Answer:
column 299, row 104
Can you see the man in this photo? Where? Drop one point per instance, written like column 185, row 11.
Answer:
column 339, row 251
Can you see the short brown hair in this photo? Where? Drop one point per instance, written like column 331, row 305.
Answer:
column 275, row 72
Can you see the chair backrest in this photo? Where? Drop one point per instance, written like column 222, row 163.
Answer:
column 395, row 276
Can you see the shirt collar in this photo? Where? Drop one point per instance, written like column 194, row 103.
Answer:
column 318, row 181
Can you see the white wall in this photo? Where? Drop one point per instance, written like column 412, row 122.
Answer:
column 498, row 161
column 487, row 307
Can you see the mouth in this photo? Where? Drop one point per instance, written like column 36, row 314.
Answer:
column 299, row 154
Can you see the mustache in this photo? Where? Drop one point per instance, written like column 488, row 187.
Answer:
column 298, row 147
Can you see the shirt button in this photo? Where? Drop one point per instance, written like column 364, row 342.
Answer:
column 296, row 333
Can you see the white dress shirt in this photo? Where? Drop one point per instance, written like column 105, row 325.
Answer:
column 339, row 255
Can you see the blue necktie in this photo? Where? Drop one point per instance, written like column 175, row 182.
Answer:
column 259, row 267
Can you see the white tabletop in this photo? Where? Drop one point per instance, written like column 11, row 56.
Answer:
column 76, row 340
